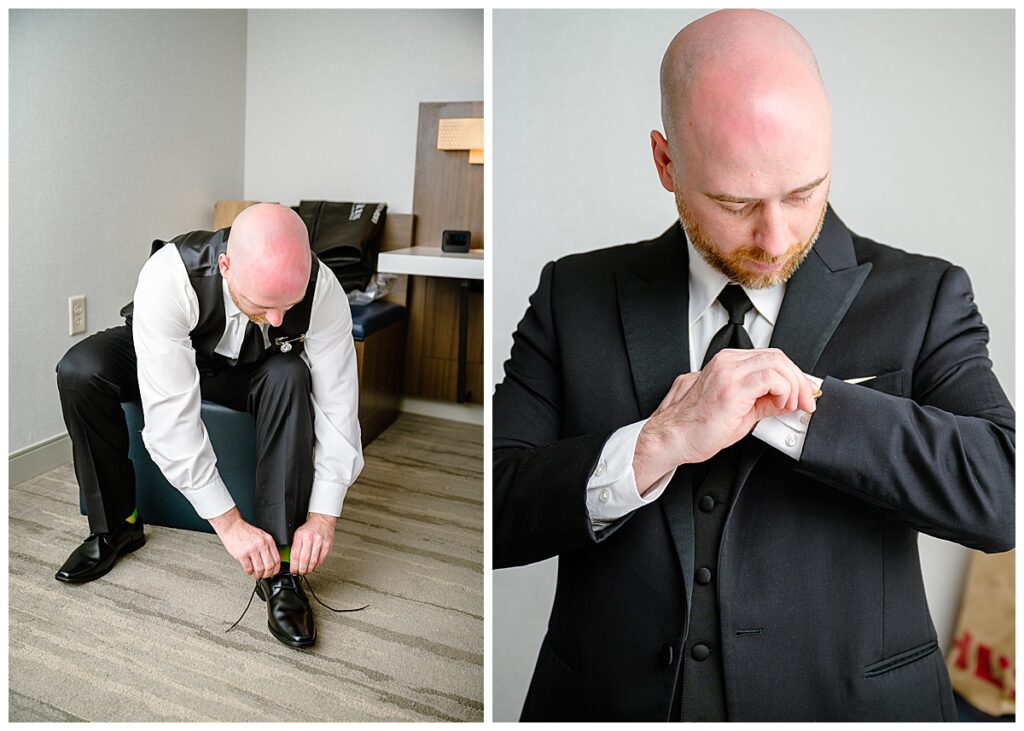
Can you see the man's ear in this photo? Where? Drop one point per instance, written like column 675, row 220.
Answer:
column 224, row 263
column 662, row 160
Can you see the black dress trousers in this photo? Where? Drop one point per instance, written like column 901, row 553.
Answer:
column 98, row 374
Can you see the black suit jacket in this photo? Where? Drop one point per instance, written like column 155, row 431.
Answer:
column 822, row 604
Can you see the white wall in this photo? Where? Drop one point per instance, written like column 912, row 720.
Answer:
column 332, row 98
column 128, row 125
column 922, row 159
column 125, row 126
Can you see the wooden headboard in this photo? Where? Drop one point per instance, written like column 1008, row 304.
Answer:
column 398, row 231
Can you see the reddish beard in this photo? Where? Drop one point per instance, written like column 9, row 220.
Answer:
column 258, row 319
column 735, row 264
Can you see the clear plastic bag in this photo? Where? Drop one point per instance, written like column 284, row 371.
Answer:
column 378, row 288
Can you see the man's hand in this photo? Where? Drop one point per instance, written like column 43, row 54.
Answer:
column 706, row 411
column 253, row 548
column 312, row 542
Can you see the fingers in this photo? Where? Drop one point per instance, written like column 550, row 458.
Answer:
column 271, row 556
column 304, row 549
column 262, row 560
column 807, row 400
column 772, row 392
column 753, row 369
column 256, row 561
column 314, row 557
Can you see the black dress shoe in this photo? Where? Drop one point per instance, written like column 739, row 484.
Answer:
column 289, row 615
column 99, row 552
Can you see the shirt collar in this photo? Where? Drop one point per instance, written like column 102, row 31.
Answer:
column 706, row 283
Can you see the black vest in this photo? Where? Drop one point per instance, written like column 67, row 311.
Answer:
column 199, row 251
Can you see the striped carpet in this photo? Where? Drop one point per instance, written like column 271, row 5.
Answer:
column 147, row 642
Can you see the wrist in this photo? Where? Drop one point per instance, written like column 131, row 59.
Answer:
column 329, row 520
column 651, row 456
column 226, row 521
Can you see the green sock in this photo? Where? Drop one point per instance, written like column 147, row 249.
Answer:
column 133, row 517
column 286, row 553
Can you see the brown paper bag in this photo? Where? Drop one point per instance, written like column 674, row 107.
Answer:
column 981, row 661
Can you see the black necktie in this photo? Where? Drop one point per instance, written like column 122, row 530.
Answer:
column 252, row 345
column 732, row 335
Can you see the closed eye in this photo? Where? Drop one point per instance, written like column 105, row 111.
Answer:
column 742, row 210
column 800, row 198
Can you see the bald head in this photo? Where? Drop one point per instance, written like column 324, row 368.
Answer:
column 748, row 152
column 268, row 261
column 734, row 65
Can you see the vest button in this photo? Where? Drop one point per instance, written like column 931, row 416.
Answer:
column 700, row 652
column 703, row 575
column 706, row 503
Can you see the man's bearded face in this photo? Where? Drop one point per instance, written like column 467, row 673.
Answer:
column 732, row 252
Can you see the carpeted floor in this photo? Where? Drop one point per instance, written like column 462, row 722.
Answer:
column 147, row 642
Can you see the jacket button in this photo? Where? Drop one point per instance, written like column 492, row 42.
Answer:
column 700, row 652
column 703, row 575
column 706, row 503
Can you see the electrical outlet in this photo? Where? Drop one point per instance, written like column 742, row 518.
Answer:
column 76, row 314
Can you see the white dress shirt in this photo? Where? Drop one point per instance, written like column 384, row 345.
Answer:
column 611, row 490
column 166, row 310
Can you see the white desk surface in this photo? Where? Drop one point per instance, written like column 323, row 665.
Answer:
column 430, row 261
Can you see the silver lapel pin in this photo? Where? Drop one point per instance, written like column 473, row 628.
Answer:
column 285, row 343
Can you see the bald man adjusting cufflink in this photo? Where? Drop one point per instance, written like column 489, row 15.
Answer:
column 732, row 435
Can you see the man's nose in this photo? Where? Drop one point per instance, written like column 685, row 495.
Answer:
column 773, row 235
column 275, row 317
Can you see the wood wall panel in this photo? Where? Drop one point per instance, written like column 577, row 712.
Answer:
column 448, row 194
column 398, row 234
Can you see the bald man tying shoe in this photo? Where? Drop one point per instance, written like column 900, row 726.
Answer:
column 249, row 318
column 731, row 435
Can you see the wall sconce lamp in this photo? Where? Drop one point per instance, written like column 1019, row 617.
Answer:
column 462, row 134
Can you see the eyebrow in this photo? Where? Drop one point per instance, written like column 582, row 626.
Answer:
column 726, row 198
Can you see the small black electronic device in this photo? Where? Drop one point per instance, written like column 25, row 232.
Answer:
column 455, row 241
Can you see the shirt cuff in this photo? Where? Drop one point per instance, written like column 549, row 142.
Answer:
column 327, row 497
column 786, row 432
column 210, row 500
column 611, row 489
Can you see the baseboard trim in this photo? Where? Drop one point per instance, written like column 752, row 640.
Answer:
column 38, row 458
column 467, row 413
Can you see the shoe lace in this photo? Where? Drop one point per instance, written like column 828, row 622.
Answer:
column 295, row 584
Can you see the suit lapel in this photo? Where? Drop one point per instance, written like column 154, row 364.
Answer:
column 654, row 301
column 818, row 295
column 654, row 307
